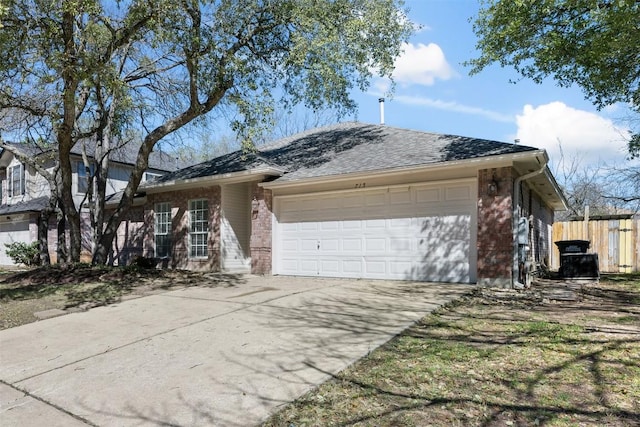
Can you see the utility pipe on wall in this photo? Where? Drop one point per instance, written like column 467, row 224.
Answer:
column 515, row 270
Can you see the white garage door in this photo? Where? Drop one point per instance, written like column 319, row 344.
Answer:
column 418, row 232
column 12, row 232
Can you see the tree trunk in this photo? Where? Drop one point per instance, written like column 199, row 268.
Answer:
column 65, row 130
column 103, row 249
column 102, row 152
column 43, row 235
column 62, row 238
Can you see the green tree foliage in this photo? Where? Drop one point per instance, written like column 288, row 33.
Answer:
column 591, row 43
column 104, row 69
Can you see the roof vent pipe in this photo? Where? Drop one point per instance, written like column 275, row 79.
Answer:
column 381, row 102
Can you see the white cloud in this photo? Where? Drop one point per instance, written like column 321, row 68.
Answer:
column 454, row 106
column 422, row 64
column 585, row 136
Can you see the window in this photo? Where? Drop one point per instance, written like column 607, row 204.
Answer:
column 198, row 228
column 82, row 176
column 163, row 229
column 150, row 176
column 15, row 186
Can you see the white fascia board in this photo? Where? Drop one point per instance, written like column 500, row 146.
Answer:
column 556, row 188
column 480, row 162
column 204, row 181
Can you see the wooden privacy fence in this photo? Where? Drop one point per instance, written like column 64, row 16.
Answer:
column 614, row 239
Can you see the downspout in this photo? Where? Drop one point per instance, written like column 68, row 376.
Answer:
column 514, row 224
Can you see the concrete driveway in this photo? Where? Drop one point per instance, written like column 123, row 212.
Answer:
column 224, row 356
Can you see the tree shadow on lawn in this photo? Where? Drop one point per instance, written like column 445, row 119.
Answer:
column 478, row 362
column 89, row 286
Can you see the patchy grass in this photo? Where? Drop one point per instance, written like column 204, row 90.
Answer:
column 495, row 360
column 80, row 287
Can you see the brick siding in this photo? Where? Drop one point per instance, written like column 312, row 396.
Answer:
column 494, row 243
column 261, row 233
column 179, row 201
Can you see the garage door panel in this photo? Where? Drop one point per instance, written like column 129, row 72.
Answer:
column 375, row 224
column 373, row 244
column 11, row 232
column 403, row 197
column 422, row 233
column 309, row 245
column 309, row 226
column 352, row 244
column 402, row 244
column 352, row 201
column 376, row 200
column 290, row 245
column 351, row 225
column 330, row 225
column 289, row 266
column 428, row 195
column 352, row 266
column 376, row 267
column 330, row 266
column 458, row 193
column 309, row 267
column 400, row 223
column 330, row 245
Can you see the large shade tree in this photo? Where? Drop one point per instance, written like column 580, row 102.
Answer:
column 590, row 43
column 91, row 70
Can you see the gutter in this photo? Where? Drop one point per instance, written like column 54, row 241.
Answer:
column 240, row 176
column 503, row 159
column 516, row 219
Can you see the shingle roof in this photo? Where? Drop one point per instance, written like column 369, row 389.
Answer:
column 33, row 205
column 348, row 148
column 126, row 154
column 237, row 161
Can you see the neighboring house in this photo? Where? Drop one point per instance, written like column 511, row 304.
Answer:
column 24, row 192
column 352, row 200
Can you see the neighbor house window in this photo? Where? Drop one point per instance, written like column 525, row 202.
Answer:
column 198, row 228
column 150, row 176
column 15, row 185
column 163, row 229
column 83, row 177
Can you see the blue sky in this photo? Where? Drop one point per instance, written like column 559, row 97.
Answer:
column 435, row 93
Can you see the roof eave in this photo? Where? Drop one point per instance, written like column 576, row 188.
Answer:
column 227, row 178
column 487, row 161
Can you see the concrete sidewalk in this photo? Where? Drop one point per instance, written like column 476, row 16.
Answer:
column 226, row 356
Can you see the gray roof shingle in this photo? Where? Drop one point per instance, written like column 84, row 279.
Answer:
column 33, row 205
column 125, row 154
column 348, row 148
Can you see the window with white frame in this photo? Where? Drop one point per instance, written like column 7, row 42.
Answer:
column 83, row 178
column 15, row 185
column 198, row 228
column 150, row 176
column 162, row 229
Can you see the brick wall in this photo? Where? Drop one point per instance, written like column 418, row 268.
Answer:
column 128, row 242
column 179, row 201
column 494, row 243
column 261, row 243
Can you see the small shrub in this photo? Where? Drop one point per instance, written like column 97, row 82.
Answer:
column 24, row 253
